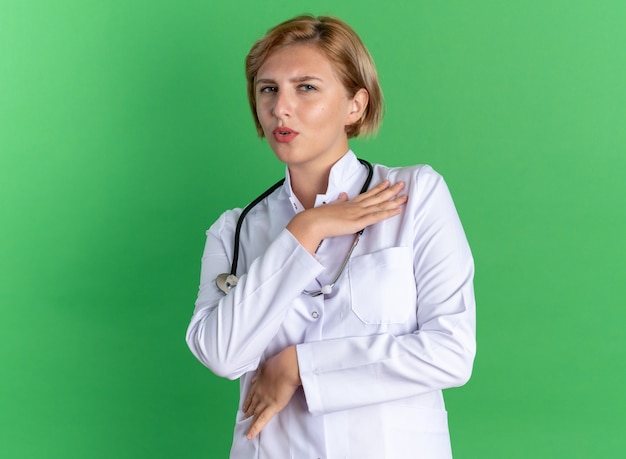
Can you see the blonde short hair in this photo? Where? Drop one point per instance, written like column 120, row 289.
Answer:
column 341, row 45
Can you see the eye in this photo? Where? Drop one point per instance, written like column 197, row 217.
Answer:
column 268, row 89
column 307, row 87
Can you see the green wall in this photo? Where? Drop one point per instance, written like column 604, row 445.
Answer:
column 124, row 132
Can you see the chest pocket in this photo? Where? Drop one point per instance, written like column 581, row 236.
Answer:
column 382, row 286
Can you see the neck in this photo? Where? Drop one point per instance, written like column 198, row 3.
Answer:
column 307, row 185
column 310, row 178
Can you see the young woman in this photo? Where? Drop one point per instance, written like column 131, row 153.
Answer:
column 349, row 305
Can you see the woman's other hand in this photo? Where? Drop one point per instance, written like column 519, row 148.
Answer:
column 272, row 389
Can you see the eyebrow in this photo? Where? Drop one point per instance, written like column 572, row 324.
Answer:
column 292, row 80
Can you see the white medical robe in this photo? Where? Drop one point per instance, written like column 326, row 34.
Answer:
column 375, row 354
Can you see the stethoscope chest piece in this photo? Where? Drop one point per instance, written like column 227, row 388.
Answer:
column 225, row 282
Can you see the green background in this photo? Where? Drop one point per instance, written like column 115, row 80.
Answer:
column 125, row 131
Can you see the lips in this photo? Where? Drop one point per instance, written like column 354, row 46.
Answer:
column 284, row 134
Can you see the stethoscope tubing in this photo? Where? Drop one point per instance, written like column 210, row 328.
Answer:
column 230, row 281
column 248, row 208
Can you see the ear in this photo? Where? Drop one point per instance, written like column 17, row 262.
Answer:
column 358, row 104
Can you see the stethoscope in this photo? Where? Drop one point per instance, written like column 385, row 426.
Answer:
column 225, row 282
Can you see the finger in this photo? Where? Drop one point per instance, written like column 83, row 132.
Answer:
column 373, row 191
column 383, row 196
column 252, row 400
column 248, row 401
column 383, row 211
column 253, row 411
column 380, row 193
column 391, row 190
column 247, row 406
column 252, row 408
column 389, row 205
column 248, row 412
column 251, row 392
column 259, row 422
column 343, row 197
column 392, row 201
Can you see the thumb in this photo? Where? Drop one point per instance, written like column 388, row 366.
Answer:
column 343, row 197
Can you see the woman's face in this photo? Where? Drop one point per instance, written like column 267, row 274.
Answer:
column 303, row 108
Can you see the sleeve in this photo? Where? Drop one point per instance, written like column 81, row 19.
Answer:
column 351, row 372
column 228, row 333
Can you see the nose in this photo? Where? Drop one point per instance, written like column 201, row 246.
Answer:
column 283, row 105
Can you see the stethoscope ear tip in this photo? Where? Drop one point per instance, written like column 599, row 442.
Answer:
column 225, row 282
